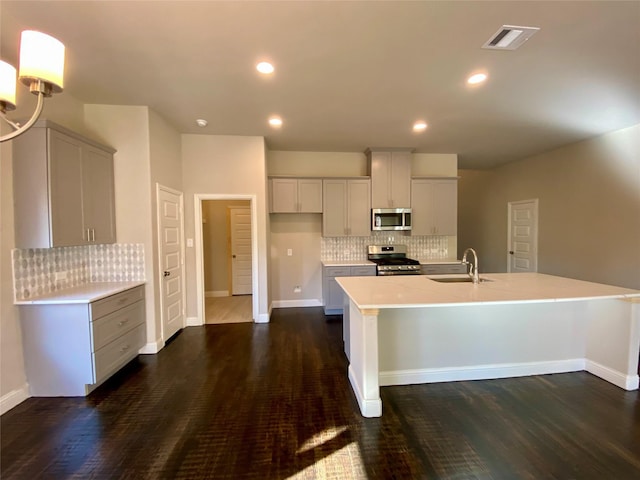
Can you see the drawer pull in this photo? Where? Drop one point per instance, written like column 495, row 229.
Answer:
column 123, row 322
column 122, row 300
column 125, row 348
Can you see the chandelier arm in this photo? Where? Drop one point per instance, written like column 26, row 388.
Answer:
column 26, row 126
column 14, row 125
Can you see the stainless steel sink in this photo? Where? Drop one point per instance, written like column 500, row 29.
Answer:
column 457, row 279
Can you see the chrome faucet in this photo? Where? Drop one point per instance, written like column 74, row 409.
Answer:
column 473, row 269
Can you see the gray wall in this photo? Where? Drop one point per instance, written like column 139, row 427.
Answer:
column 589, row 209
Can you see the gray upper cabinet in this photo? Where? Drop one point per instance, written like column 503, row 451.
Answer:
column 63, row 189
column 296, row 195
column 346, row 207
column 434, row 206
column 390, row 178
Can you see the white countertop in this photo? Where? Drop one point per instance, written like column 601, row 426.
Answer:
column 412, row 291
column 346, row 263
column 86, row 293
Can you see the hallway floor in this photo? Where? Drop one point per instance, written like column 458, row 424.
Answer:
column 232, row 309
column 272, row 401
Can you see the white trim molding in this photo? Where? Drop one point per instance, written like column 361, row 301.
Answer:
column 626, row 382
column 480, row 372
column 152, row 348
column 194, row 322
column 306, row 302
column 14, row 398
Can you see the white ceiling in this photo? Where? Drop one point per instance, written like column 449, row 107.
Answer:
column 352, row 75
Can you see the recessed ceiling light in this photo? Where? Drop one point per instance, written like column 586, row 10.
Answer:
column 275, row 122
column 476, row 78
column 265, row 67
column 201, row 122
column 419, row 126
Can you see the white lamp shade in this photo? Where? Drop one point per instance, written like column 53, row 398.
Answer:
column 41, row 58
column 7, row 84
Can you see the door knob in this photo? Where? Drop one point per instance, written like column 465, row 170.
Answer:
column 510, row 252
column 233, row 256
column 166, row 274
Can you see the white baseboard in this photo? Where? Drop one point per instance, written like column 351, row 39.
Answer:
column 619, row 379
column 217, row 293
column 307, row 302
column 193, row 322
column 14, row 398
column 480, row 372
column 152, row 348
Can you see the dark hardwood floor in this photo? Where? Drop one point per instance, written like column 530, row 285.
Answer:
column 273, row 401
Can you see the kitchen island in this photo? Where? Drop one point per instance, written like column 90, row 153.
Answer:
column 412, row 329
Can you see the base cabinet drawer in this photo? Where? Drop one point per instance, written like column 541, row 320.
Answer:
column 117, row 353
column 115, row 302
column 110, row 327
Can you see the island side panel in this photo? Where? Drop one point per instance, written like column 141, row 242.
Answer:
column 363, row 366
column 472, row 342
column 613, row 341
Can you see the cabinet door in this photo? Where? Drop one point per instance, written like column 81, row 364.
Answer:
column 445, row 200
column 434, row 205
column 284, row 195
column 98, row 195
column 334, row 208
column 310, row 195
column 400, row 182
column 359, row 208
column 65, row 190
column 380, row 179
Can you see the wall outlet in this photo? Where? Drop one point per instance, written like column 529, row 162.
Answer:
column 60, row 276
column 289, row 252
column 297, row 289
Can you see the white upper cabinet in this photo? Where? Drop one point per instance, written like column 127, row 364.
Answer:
column 434, row 204
column 63, row 189
column 346, row 207
column 390, row 178
column 296, row 195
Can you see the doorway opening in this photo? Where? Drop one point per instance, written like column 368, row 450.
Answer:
column 226, row 258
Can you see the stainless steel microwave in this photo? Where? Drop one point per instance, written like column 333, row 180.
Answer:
column 390, row 219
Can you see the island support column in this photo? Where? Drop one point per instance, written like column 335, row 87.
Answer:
column 363, row 367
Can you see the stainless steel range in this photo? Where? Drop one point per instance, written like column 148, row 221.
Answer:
column 392, row 260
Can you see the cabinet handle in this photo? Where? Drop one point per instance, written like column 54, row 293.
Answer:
column 88, row 236
column 93, row 235
column 125, row 348
column 123, row 322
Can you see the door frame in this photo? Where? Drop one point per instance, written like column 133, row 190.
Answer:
column 198, row 198
column 535, row 227
column 159, row 188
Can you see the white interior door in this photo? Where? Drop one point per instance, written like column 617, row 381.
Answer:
column 171, row 260
column 523, row 236
column 240, row 224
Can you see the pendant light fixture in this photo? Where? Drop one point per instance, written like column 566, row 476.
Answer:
column 41, row 69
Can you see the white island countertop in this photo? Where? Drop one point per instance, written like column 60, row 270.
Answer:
column 407, row 291
column 87, row 293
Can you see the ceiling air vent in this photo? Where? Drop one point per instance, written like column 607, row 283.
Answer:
column 509, row 37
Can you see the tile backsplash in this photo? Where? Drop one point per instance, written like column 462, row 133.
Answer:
column 40, row 271
column 355, row 248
